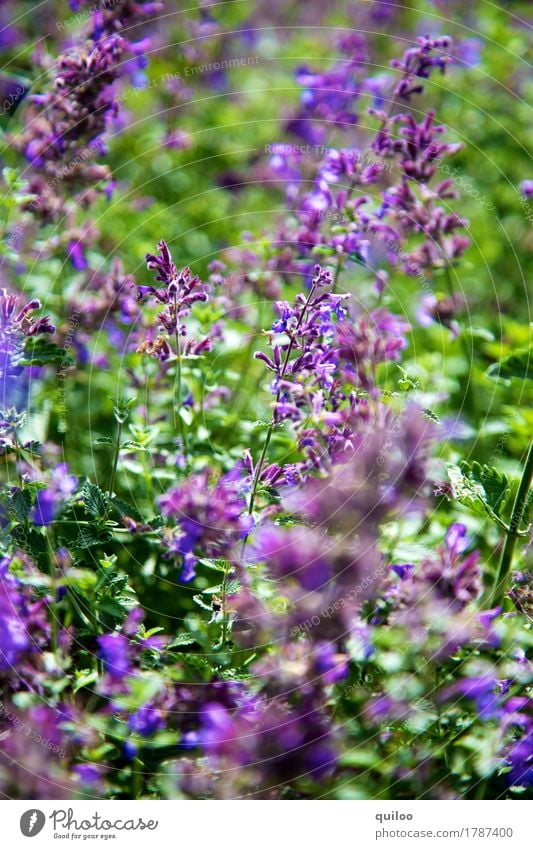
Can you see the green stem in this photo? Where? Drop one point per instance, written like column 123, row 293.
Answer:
column 115, row 462
column 514, row 526
column 270, row 430
column 259, row 465
column 50, row 541
column 178, row 376
column 224, row 594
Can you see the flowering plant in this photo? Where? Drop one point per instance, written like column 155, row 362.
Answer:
column 265, row 439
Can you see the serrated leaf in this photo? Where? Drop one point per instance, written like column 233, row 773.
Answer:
column 518, row 364
column 495, row 484
column 103, row 440
column 84, row 678
column 132, row 445
column 122, row 408
column 196, row 663
column 218, row 564
column 234, row 675
column 117, row 607
column 201, row 603
column 20, row 504
column 481, row 488
column 88, row 537
column 183, row 639
column 152, row 631
column 94, row 500
column 465, row 490
column 40, row 352
column 156, row 523
column 31, row 541
column 213, row 590
column 123, row 508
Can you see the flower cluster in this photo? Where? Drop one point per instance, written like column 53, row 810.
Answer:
column 63, row 137
column 17, row 324
column 302, row 356
column 180, row 292
column 209, row 519
column 24, row 629
column 229, row 567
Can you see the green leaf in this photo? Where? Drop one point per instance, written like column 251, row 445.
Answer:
column 32, row 542
column 495, row 484
column 20, row 504
column 83, row 678
column 40, row 352
column 218, row 564
column 185, row 638
column 405, row 382
column 233, row 586
column 142, row 688
column 103, row 440
column 462, row 488
column 481, row 488
column 152, row 631
column 213, row 590
column 201, row 603
column 131, row 445
column 94, row 500
column 88, row 537
column 79, row 579
column 518, row 364
column 124, row 508
column 122, row 408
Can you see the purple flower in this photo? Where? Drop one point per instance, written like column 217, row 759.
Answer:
column 483, row 690
column 23, row 626
column 76, row 256
column 65, row 126
column 403, row 570
column 419, row 62
column 441, row 310
column 181, row 291
column 49, row 500
column 146, row 721
column 332, row 666
column 90, row 775
column 285, row 743
column 520, row 758
column 209, row 519
column 307, row 326
column 300, row 554
column 114, row 651
column 456, row 539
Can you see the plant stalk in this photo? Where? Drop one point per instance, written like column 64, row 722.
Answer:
column 115, row 461
column 178, row 376
column 517, row 515
column 268, row 437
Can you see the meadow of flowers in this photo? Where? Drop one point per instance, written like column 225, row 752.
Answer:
column 266, row 400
